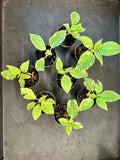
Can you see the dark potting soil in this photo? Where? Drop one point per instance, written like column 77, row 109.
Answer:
column 61, row 112
column 48, row 94
column 69, row 40
column 80, row 50
column 49, row 60
column 34, row 77
column 83, row 94
column 59, row 77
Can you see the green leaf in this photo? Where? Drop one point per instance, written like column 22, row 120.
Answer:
column 80, row 28
column 66, row 83
column 99, row 57
column 70, row 120
column 110, row 96
column 47, row 107
column 42, row 99
column 28, row 93
column 24, row 76
column 31, row 105
column 57, row 38
column 61, row 72
column 69, row 129
column 67, row 26
column 25, row 66
column 7, row 74
column 59, row 64
column 68, row 69
column 77, row 28
column 86, row 41
column 38, row 42
column 40, row 64
column 86, row 60
column 76, row 35
column 89, row 84
column 21, row 82
column 98, row 87
column 36, row 112
column 98, row 45
column 92, row 95
column 78, row 74
column 110, row 48
column 72, row 108
column 75, row 17
column 77, row 125
column 101, row 103
column 63, row 121
column 86, row 104
column 48, row 53
column 50, row 100
column 14, row 70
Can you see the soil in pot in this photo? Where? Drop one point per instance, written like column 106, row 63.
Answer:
column 79, row 50
column 59, row 77
column 82, row 94
column 49, row 60
column 34, row 77
column 69, row 40
column 48, row 94
column 61, row 112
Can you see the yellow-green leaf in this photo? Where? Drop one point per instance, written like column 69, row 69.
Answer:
column 66, row 83
column 36, row 112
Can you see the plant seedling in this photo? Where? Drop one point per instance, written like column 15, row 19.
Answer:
column 72, row 110
column 76, row 28
column 39, row 105
column 96, row 93
column 98, row 50
column 66, row 82
column 14, row 72
column 39, row 44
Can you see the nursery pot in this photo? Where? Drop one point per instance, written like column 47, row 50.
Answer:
column 61, row 112
column 79, row 50
column 49, row 95
column 82, row 94
column 69, row 40
column 59, row 77
column 34, row 77
column 49, row 60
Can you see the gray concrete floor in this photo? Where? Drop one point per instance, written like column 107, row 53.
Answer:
column 44, row 139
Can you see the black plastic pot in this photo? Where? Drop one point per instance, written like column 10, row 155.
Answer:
column 79, row 50
column 49, row 95
column 82, row 94
column 59, row 77
column 69, row 40
column 61, row 112
column 49, row 60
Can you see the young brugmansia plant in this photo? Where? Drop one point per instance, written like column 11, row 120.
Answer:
column 66, row 80
column 98, row 50
column 39, row 44
column 39, row 105
column 72, row 110
column 21, row 74
column 95, row 92
column 76, row 28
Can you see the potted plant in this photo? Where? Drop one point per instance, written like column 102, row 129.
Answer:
column 93, row 92
column 98, row 50
column 45, row 54
column 65, row 113
column 26, row 75
column 73, row 30
column 66, row 77
column 44, row 102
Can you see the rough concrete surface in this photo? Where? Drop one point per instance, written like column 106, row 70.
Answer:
column 44, row 139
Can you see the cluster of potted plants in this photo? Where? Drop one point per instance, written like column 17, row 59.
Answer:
column 86, row 53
